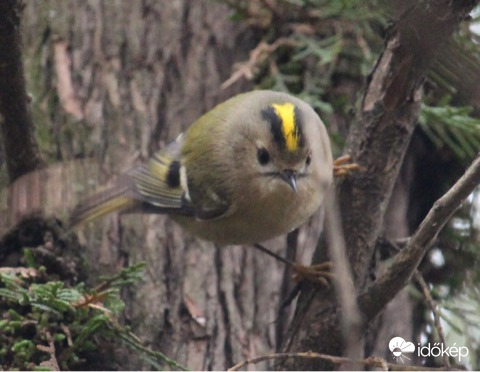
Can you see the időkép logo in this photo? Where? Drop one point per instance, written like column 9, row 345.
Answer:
column 401, row 348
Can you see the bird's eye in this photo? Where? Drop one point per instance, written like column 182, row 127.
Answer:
column 263, row 156
column 308, row 160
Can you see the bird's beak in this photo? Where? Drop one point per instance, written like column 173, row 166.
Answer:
column 290, row 177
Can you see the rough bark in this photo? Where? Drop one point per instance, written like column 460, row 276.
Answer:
column 129, row 77
column 378, row 141
column 19, row 144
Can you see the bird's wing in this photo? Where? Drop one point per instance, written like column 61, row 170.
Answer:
column 157, row 182
column 162, row 187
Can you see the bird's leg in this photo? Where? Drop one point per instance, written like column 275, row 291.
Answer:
column 317, row 274
column 342, row 166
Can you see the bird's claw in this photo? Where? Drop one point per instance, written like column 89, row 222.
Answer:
column 319, row 274
column 342, row 166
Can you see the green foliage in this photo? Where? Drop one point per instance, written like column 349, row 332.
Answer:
column 319, row 50
column 44, row 325
column 332, row 49
column 461, row 317
column 450, row 126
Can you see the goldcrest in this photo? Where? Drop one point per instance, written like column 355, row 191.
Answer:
column 254, row 167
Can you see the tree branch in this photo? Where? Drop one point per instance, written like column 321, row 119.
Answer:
column 374, row 362
column 378, row 141
column 436, row 316
column 405, row 263
column 16, row 123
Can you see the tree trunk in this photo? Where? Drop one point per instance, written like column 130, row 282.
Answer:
column 116, row 81
column 19, row 143
column 113, row 81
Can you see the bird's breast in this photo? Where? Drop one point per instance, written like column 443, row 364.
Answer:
column 257, row 216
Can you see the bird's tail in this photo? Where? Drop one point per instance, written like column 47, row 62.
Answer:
column 117, row 198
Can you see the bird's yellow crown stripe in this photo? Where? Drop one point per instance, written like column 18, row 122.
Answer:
column 286, row 112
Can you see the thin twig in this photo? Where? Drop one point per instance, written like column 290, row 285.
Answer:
column 370, row 361
column 135, row 342
column 257, row 56
column 351, row 319
column 24, row 272
column 68, row 334
column 436, row 316
column 50, row 350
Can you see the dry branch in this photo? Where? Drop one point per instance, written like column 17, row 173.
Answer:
column 258, row 56
column 373, row 362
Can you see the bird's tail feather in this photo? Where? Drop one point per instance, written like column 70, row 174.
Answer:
column 98, row 205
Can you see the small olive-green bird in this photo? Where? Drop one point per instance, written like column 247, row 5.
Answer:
column 254, row 167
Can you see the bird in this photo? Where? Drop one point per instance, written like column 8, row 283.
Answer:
column 252, row 168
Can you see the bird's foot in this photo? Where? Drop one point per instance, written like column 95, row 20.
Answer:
column 319, row 274
column 342, row 166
